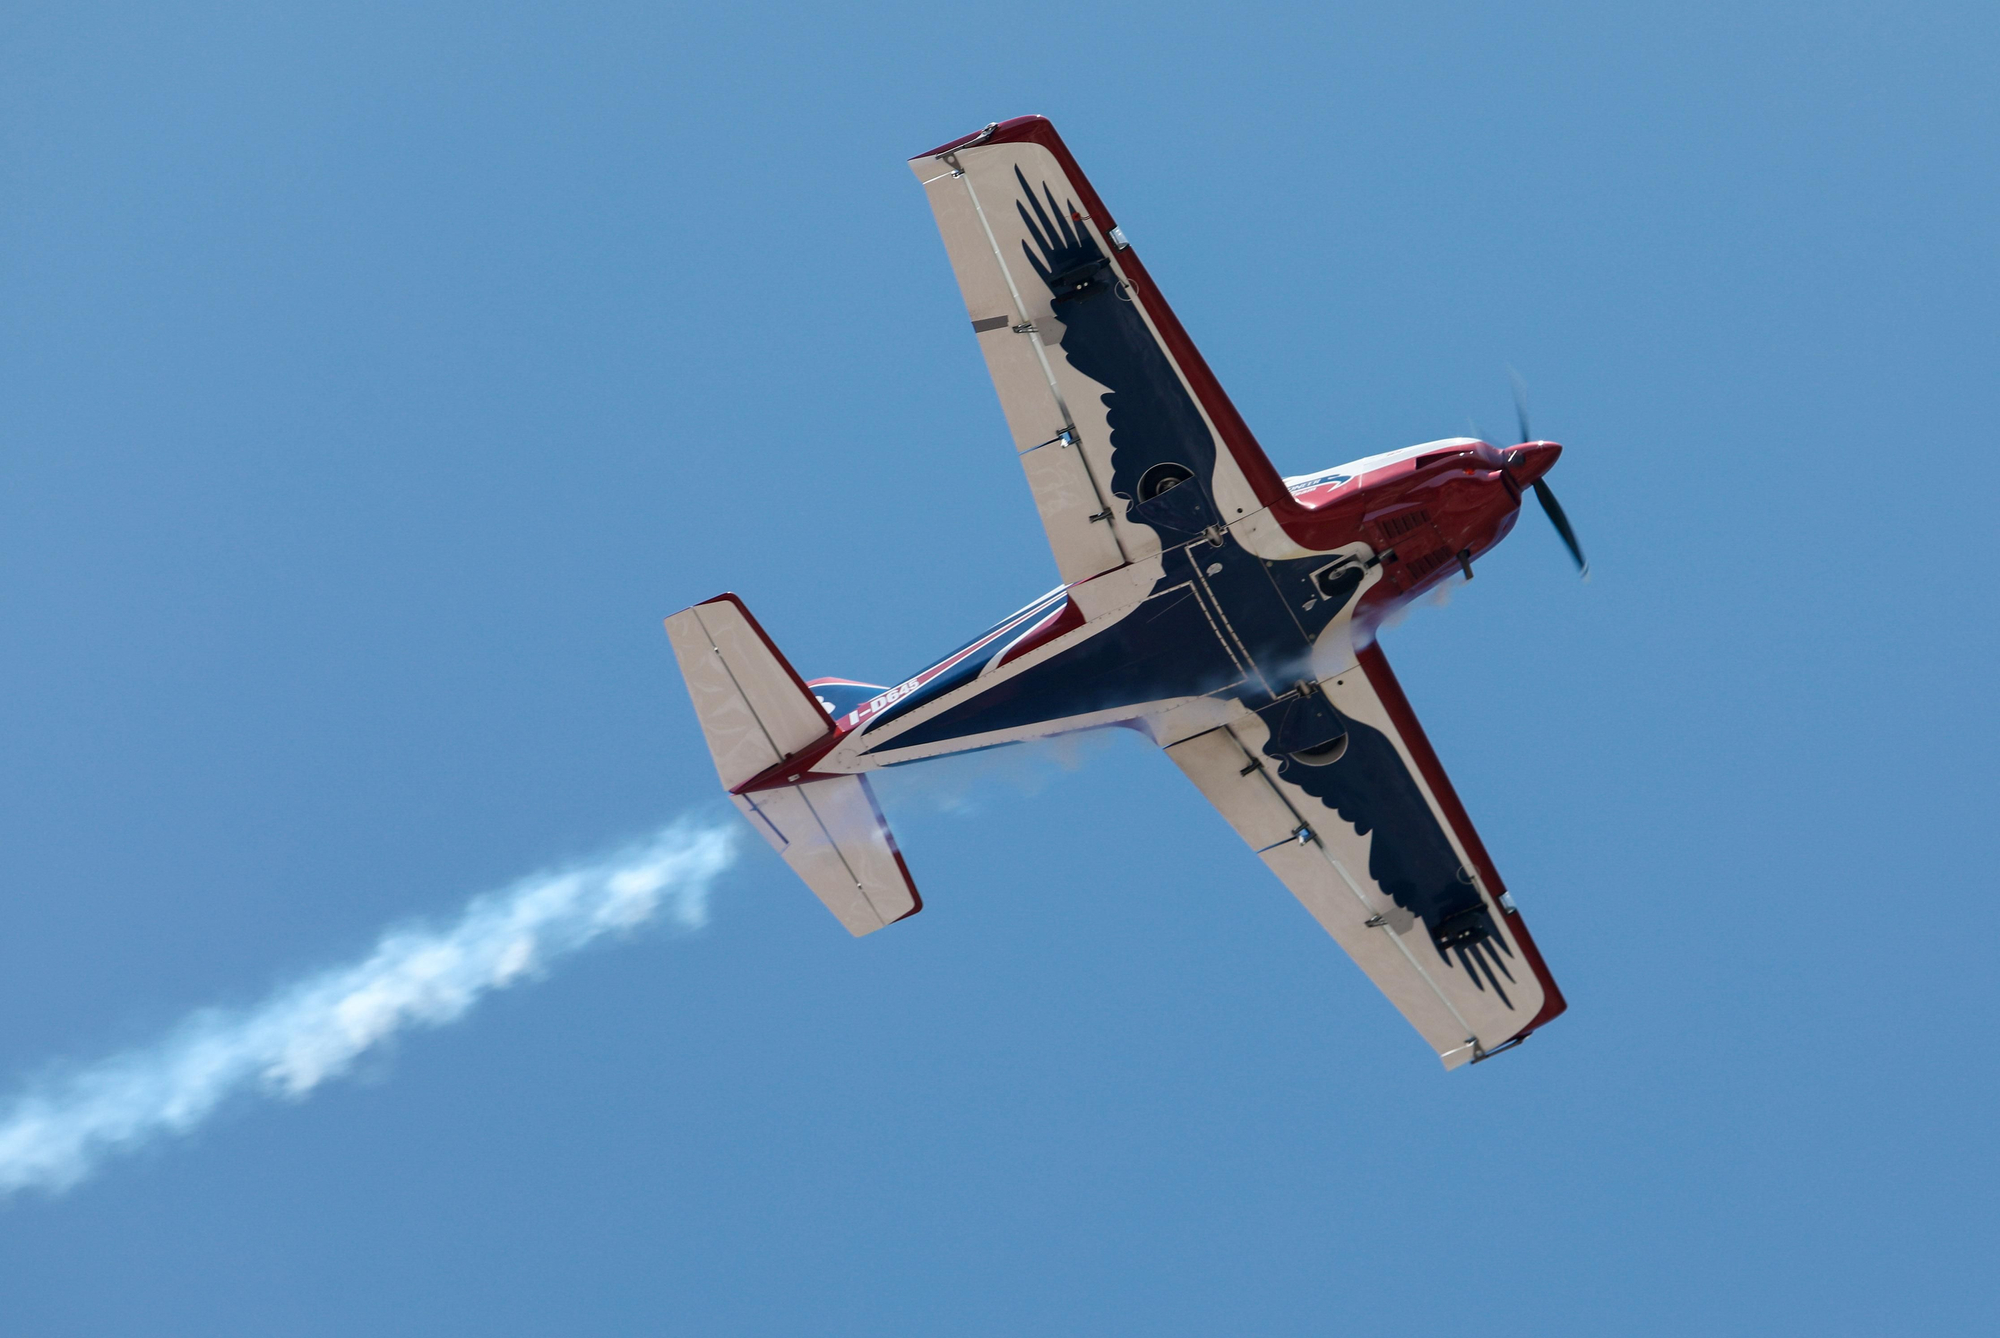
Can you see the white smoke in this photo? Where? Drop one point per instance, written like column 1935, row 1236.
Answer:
column 58, row 1131
column 962, row 784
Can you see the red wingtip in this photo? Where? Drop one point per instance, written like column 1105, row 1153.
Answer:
column 1000, row 132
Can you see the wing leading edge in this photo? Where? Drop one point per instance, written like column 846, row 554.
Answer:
column 1376, row 845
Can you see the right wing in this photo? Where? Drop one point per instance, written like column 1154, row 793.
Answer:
column 1376, row 845
column 1109, row 403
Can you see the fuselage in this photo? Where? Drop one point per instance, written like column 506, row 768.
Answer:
column 1225, row 611
column 1204, row 625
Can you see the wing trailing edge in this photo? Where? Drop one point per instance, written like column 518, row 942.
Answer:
column 1371, row 839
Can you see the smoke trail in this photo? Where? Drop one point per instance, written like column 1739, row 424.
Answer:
column 963, row 783
column 57, row 1133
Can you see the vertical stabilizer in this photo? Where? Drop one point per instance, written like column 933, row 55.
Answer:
column 755, row 710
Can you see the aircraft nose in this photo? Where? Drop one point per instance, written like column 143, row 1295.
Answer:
column 1530, row 460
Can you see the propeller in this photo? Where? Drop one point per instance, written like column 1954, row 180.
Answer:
column 1543, row 493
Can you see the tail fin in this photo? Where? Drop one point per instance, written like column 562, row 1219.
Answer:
column 756, row 712
column 754, row 708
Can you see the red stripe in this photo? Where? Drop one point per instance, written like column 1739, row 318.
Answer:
column 868, row 709
column 1059, row 622
column 794, row 770
column 727, row 597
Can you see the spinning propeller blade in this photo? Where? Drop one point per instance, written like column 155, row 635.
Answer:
column 1521, row 405
column 1547, row 497
column 1543, row 492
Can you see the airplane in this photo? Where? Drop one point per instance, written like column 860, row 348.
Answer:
column 1225, row 611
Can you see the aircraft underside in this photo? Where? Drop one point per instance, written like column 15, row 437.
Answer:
column 1228, row 612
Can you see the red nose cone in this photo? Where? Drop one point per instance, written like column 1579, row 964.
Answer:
column 1530, row 460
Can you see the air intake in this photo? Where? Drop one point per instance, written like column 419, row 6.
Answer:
column 1396, row 526
column 1425, row 565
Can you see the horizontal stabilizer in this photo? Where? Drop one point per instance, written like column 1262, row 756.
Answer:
column 755, row 710
column 834, row 836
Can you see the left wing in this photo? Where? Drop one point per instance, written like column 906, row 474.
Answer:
column 1376, row 845
column 1109, row 403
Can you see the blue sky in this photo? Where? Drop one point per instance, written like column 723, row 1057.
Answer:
column 375, row 382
